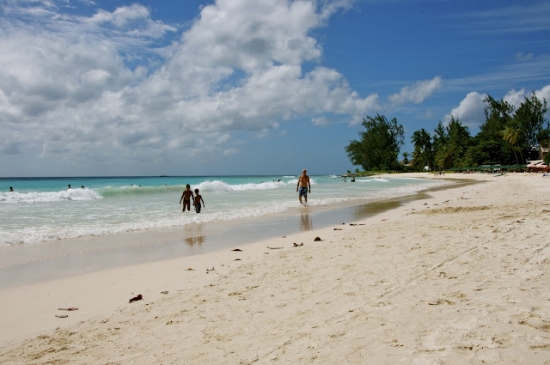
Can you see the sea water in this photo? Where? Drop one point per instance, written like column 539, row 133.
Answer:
column 40, row 210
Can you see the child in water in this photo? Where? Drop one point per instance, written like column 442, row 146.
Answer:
column 186, row 197
column 197, row 201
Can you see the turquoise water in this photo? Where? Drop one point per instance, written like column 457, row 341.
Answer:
column 44, row 209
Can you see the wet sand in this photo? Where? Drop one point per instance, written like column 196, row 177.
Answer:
column 460, row 277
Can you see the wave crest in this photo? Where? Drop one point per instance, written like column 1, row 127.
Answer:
column 216, row 185
column 45, row 197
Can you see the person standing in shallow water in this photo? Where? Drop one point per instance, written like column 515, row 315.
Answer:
column 186, row 197
column 197, row 201
column 303, row 187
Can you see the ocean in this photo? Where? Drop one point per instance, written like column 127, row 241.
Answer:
column 42, row 210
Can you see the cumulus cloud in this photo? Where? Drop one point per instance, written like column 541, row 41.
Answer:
column 134, row 17
column 417, row 92
column 544, row 93
column 470, row 111
column 111, row 84
column 515, row 98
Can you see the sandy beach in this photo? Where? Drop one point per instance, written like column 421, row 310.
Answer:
column 461, row 277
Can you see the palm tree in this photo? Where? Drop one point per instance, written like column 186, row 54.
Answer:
column 512, row 134
column 406, row 158
column 422, row 154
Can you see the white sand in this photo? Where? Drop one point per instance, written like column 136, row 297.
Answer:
column 460, row 278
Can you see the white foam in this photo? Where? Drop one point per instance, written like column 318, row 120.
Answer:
column 216, row 185
column 295, row 181
column 45, row 197
column 156, row 207
column 371, row 180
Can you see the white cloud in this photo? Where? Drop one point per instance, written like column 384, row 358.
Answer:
column 417, row 92
column 544, row 93
column 515, row 98
column 523, row 57
column 320, row 121
column 518, row 17
column 103, row 86
column 470, row 111
column 135, row 18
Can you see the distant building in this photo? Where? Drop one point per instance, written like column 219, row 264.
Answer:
column 543, row 150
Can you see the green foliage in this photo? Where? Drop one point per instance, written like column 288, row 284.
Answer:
column 423, row 150
column 529, row 119
column 406, row 158
column 458, row 140
column 497, row 115
column 379, row 145
column 507, row 136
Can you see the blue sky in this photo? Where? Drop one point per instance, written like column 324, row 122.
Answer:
column 247, row 86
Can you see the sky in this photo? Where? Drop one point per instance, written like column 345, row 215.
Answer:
column 248, row 87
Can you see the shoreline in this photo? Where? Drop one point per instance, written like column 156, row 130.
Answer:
column 381, row 289
column 33, row 263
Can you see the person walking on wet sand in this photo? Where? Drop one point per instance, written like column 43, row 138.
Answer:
column 197, row 201
column 186, row 197
column 303, row 187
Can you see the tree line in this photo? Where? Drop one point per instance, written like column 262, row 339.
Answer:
column 508, row 136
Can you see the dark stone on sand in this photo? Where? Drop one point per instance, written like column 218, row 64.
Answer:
column 136, row 298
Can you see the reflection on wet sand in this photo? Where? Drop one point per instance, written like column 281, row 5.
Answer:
column 306, row 223
column 192, row 240
column 371, row 209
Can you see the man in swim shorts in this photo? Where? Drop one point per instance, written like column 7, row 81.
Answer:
column 186, row 197
column 303, row 187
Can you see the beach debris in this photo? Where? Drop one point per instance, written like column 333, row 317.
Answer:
column 317, row 239
column 237, row 250
column 337, row 229
column 297, row 245
column 274, row 248
column 208, row 270
column 62, row 316
column 353, row 224
column 237, row 260
column 284, row 236
column 136, row 298
column 69, row 309
column 164, row 292
column 190, row 269
column 434, row 302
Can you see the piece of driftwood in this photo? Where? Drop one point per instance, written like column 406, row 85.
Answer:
column 274, row 248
